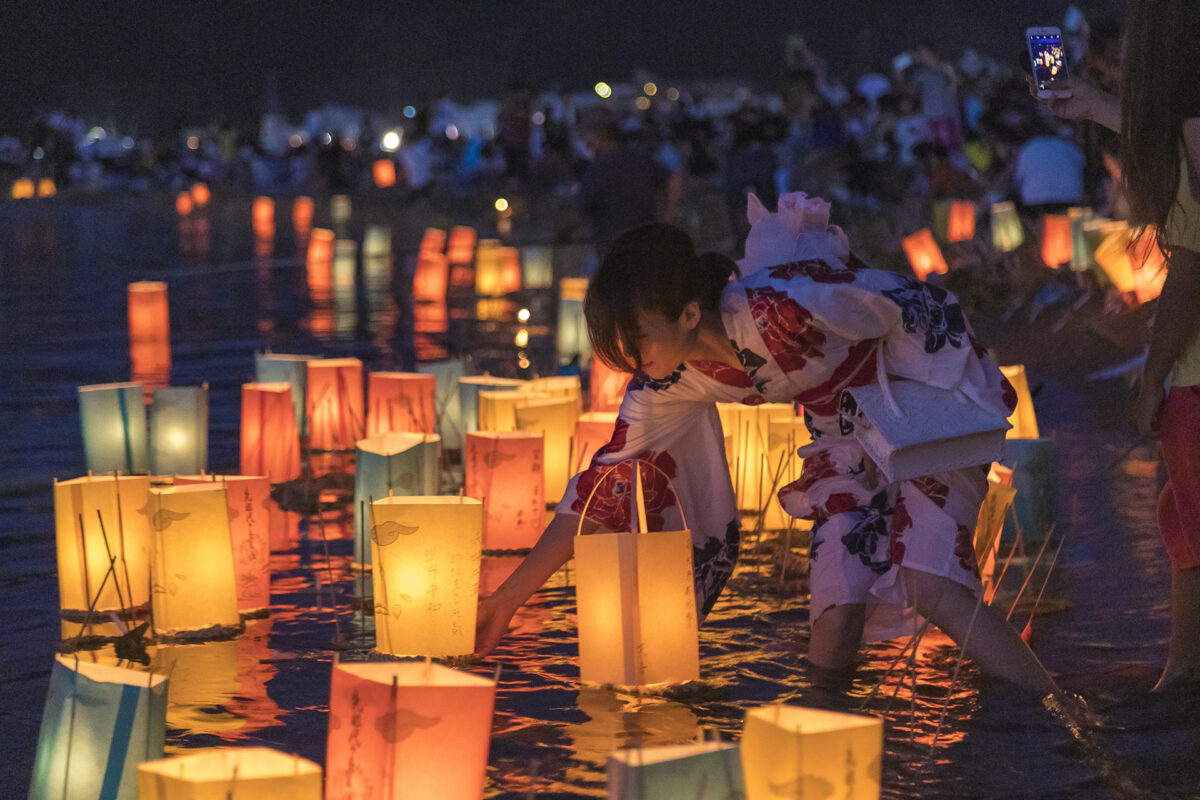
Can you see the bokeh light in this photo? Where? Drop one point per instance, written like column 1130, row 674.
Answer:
column 604, row 90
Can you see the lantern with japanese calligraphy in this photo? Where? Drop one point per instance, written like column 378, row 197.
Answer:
column 504, row 471
column 339, row 209
column 179, row 430
column 290, row 369
column 793, row 751
column 698, row 771
column 635, row 592
column 407, row 731
column 425, row 576
column 1007, row 232
column 537, row 267
column 606, row 386
column 747, row 436
column 99, row 723
column 46, row 187
column 468, row 395
column 249, row 499
column 554, row 418
column 384, row 173
column 924, row 255
column 302, row 214
column 335, row 403
column 230, row 773
column 113, row 418
column 270, row 444
column 1056, row 240
column 100, row 521
column 149, row 331
column 193, row 589
column 572, row 340
column 392, row 463
column 201, row 194
column 1023, row 419
column 262, row 216
column 593, row 430
column 400, row 401
column 23, row 189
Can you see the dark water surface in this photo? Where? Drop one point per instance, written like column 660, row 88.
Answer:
column 64, row 267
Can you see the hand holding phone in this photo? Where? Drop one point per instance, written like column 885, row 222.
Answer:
column 1049, row 60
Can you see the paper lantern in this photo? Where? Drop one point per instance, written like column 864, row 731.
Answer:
column 184, row 204
column 924, row 255
column 498, row 410
column 99, row 723
column 262, row 217
column 1034, row 463
column 1081, row 253
column 792, row 751
column 335, row 403
column 636, row 600
column 200, row 194
column 606, row 387
column 23, row 189
column 489, row 268
column 320, row 246
column 425, row 554
column 401, row 401
column 98, row 518
column 468, row 395
column 1023, row 419
column 113, row 418
column 302, row 214
column 747, row 436
column 699, row 771
column 46, row 187
column 555, row 420
column 407, row 731
column 149, row 331
column 392, row 463
column 990, row 524
column 193, row 589
column 1007, row 232
column 430, row 278
column 270, row 444
column 1149, row 266
column 785, row 434
column 228, row 772
column 460, row 248
column 537, row 267
column 383, row 172
column 573, row 342
column 377, row 241
column 447, row 400
column 433, row 241
column 339, row 209
column 431, row 318
column 1056, row 240
column 249, row 500
column 961, row 224
column 504, row 471
column 179, row 430
column 567, row 386
column 497, row 309
column 1113, row 257
column 593, row 430
column 290, row 369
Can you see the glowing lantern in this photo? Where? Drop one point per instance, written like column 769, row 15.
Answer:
column 408, row 731
column 431, row 318
column 179, row 430
column 1149, row 266
column 184, row 204
column 924, row 255
column 335, row 403
column 262, row 215
column 636, row 599
column 593, row 430
column 537, row 267
column 430, row 278
column 249, row 498
column 320, row 246
column 113, row 418
column 606, row 387
column 785, row 434
column 200, row 194
column 404, row 464
column 302, row 214
column 489, row 268
column 573, row 342
column 699, row 771
column 460, row 248
column 192, row 574
column 1081, row 254
column 1056, row 240
column 433, row 241
column 498, row 410
column 384, row 173
column 149, row 331
column 447, row 400
column 747, row 434
column 510, row 270
column 426, row 552
column 228, row 772
column 46, row 188
column 567, row 386
column 792, row 751
column 290, row 369
column 339, row 209
column 555, row 420
column 990, row 524
column 468, row 395
column 23, row 189
column 1007, row 232
column 504, row 471
column 1034, row 464
column 98, row 518
column 400, row 401
column 1113, row 257
column 377, row 241
column 961, row 224
column 98, row 724
column 1023, row 419
column 270, row 444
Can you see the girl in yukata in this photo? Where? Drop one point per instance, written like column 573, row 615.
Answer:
column 805, row 321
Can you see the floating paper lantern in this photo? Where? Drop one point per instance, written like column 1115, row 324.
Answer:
column 46, row 187
column 593, row 430
column 924, row 255
column 1149, row 266
column 392, row 463
column 292, row 370
column 149, row 331
column 377, row 241
column 302, row 214
column 113, row 417
column 699, row 771
column 430, row 278
column 468, row 395
column 1056, row 240
column 747, row 436
column 339, row 209
column 262, row 217
column 990, row 524
column 99, row 723
column 460, row 248
column 555, row 420
column 320, row 246
column 249, row 499
column 433, row 241
column 497, row 410
column 200, row 194
column 606, row 387
column 537, row 267
column 184, row 204
column 179, row 430
column 204, row 683
column 401, row 401
column 1081, row 253
column 785, row 434
column 792, row 751
column 1007, row 232
column 23, row 189
column 228, row 772
column 489, row 268
column 431, row 318
column 567, row 386
column 335, row 403
column 447, row 400
column 572, row 342
column 408, row 731
column 961, row 224
column 270, row 444
column 193, row 587
column 1034, row 464
column 425, row 552
column 384, row 173
column 98, row 518
column 504, row 471
column 1113, row 257
column 1023, row 419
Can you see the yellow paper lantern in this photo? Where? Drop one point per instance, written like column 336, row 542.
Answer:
column 270, row 444
column 498, row 410
column 149, row 332
column 262, row 216
column 113, row 420
column 335, row 403
column 573, row 342
column 46, row 187
column 302, row 214
column 593, row 430
column 179, row 430
column 1056, row 240
column 193, row 589
column 785, row 434
column 377, row 242
column 426, row 552
column 227, row 773
column 489, row 268
column 469, row 388
column 747, row 436
column 568, row 386
column 339, row 209
column 990, row 525
column 408, row 731
column 924, row 255
column 1024, row 418
column 606, row 387
column 698, row 771
column 1149, row 266
column 23, row 189
column 504, row 471
column 554, row 418
column 1007, row 232
column 384, row 173
column 1113, row 256
column 98, row 518
column 400, row 401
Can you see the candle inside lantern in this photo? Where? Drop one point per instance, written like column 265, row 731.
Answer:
column 179, row 430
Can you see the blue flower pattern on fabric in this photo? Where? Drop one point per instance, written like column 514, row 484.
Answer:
column 644, row 381
column 713, row 563
column 925, row 309
column 870, row 525
column 751, row 362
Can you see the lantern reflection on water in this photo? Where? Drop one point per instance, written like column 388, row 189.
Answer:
column 229, row 774
column 400, row 401
column 392, row 463
column 179, row 430
column 113, row 419
column 270, row 444
column 149, row 332
column 504, row 471
column 302, row 214
column 698, row 771
column 554, row 418
column 335, row 403
column 320, row 248
column 924, row 255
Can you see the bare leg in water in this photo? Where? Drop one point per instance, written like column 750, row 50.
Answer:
column 1183, row 649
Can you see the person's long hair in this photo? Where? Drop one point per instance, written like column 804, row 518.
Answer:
column 1157, row 78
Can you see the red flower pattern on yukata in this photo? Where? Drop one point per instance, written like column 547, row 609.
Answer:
column 724, row 373
column 816, row 467
column 609, row 487
column 785, row 328
column 964, row 548
column 823, row 400
column 815, row 269
column 901, row 521
column 932, row 488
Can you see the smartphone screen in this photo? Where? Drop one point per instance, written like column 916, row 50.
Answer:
column 1049, row 59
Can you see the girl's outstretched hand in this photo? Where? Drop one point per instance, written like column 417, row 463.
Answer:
column 492, row 618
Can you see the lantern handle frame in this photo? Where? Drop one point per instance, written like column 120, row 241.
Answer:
column 638, row 491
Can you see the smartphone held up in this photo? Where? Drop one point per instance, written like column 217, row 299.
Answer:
column 1049, row 60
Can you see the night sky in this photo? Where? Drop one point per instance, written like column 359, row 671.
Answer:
column 160, row 62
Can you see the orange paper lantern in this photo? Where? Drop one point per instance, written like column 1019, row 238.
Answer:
column 263, row 217
column 401, row 402
column 1149, row 266
column 1056, row 240
column 302, row 214
column 23, row 189
column 431, row 277
column 184, row 203
column 270, row 443
column 384, row 173
column 460, row 248
column 593, row 430
column 431, row 317
column 200, row 194
column 46, row 188
column 320, row 245
column 606, row 386
column 504, row 470
column 335, row 403
column 433, row 241
column 149, row 332
column 924, row 255
column 961, row 224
